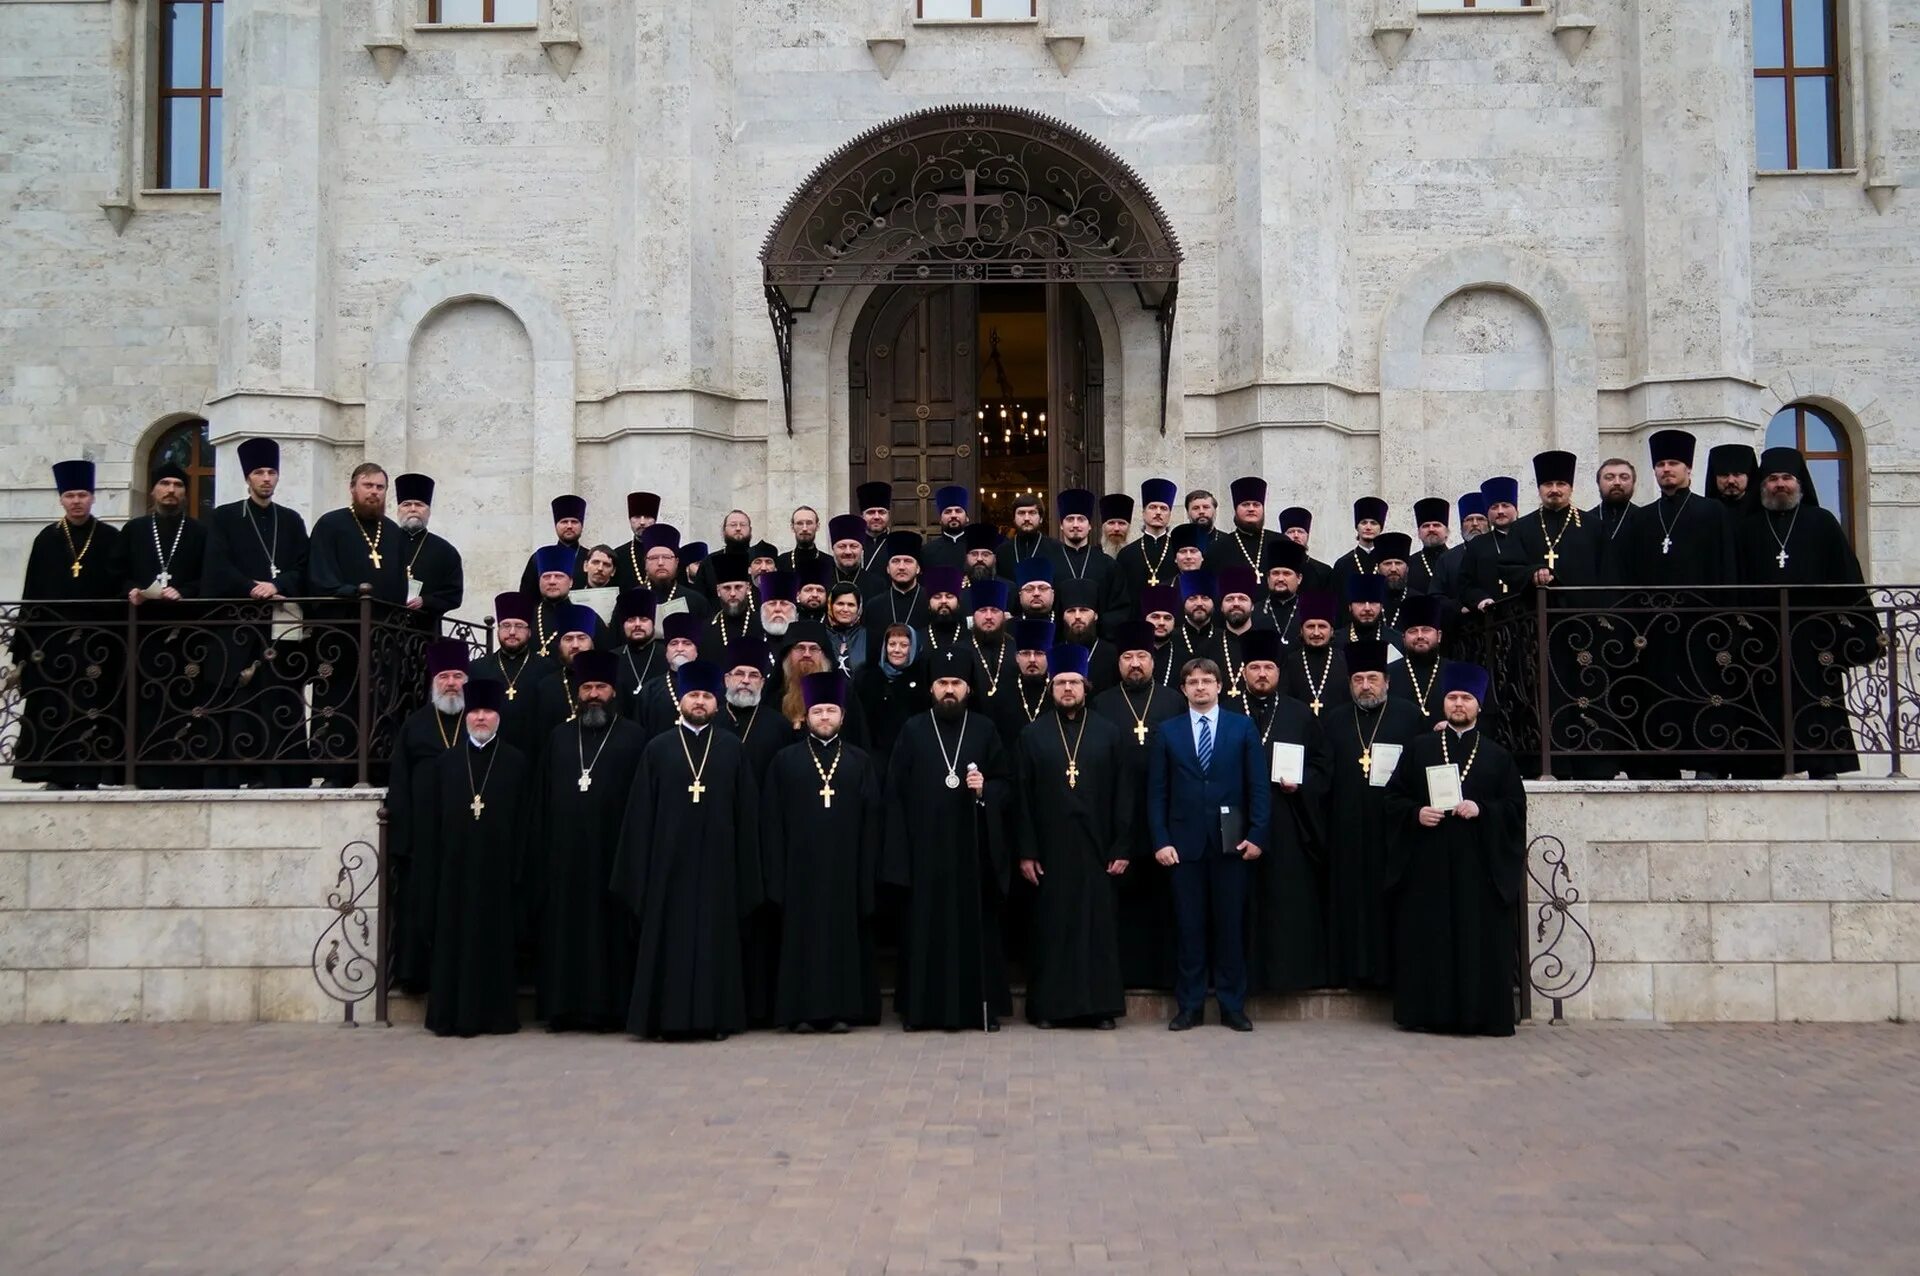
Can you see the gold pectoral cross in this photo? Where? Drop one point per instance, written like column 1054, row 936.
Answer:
column 1366, row 763
column 1140, row 732
column 374, row 554
column 1315, row 706
column 1073, row 775
column 1553, row 557
column 696, row 788
column 476, row 806
column 512, row 692
column 826, row 795
column 1153, row 580
column 76, row 571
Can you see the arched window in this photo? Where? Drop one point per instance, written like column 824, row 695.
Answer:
column 186, row 446
column 1823, row 441
column 191, row 52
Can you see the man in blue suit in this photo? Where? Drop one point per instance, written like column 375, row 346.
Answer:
column 1207, row 782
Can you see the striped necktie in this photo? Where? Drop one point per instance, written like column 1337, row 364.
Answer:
column 1206, row 744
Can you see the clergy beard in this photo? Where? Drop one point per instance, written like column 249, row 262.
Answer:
column 980, row 572
column 734, row 611
column 1114, row 544
column 1370, row 700
column 1781, row 503
column 775, row 628
column 413, row 523
column 1137, row 681
column 675, row 662
column 744, row 698
column 482, row 737
column 949, row 710
column 452, row 702
column 595, row 716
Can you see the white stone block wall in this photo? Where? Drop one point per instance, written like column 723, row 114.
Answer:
column 136, row 907
column 1765, row 902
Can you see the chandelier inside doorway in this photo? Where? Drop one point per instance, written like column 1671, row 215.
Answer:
column 1011, row 432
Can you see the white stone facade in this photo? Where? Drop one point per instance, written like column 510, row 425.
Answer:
column 1419, row 245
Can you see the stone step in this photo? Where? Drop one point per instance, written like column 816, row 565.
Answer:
column 1142, row 1006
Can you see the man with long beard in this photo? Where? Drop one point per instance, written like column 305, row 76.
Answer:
column 553, row 699
column 587, row 772
column 734, row 612
column 1069, row 768
column 946, row 649
column 778, row 608
column 1144, row 897
column 427, row 732
column 982, row 542
column 1080, row 624
column 1364, row 739
column 1116, row 523
column 949, row 790
column 688, row 869
column 438, row 577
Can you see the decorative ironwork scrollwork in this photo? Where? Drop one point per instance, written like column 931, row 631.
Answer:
column 347, row 962
column 1560, row 956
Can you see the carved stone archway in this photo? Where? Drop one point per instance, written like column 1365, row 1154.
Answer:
column 969, row 194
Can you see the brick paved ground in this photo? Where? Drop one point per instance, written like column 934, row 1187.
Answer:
column 1318, row 1147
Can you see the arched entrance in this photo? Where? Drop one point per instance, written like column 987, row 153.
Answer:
column 967, row 222
column 995, row 387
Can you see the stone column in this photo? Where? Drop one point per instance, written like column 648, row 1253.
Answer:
column 1689, row 153
column 275, row 369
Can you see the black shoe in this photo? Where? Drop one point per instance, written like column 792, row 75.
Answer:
column 838, row 1026
column 1043, row 1023
column 801, row 1027
column 1184, row 1020
column 1236, row 1020
column 993, row 1023
column 1105, row 1024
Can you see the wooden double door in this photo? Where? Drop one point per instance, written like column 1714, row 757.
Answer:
column 914, row 372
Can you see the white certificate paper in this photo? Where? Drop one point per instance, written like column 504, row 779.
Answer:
column 1385, row 758
column 1289, row 763
column 414, row 587
column 673, row 608
column 601, row 600
column 1443, row 786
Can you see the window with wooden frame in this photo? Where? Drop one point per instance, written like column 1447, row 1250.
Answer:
column 1796, row 84
column 1829, row 451
column 191, row 45
column 482, row 13
column 1479, row 4
column 963, row 10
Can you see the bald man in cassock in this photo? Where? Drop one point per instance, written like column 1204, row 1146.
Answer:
column 426, row 733
column 949, row 787
column 66, row 645
column 472, row 812
column 1071, row 836
column 1456, row 870
column 1364, row 739
column 518, row 667
column 1286, row 925
column 586, row 937
column 569, row 521
column 1144, row 893
column 689, row 869
column 822, row 838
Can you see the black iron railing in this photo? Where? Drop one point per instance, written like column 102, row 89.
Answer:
column 1744, row 681
column 200, row 691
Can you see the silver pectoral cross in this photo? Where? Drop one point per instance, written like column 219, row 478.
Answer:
column 1666, row 544
column 586, row 781
column 164, row 579
column 1781, row 558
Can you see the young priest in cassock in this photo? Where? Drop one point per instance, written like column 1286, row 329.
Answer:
column 350, row 547
column 1250, row 544
column 629, row 560
column 1364, row 739
column 1286, row 924
column 160, row 563
column 472, row 810
column 689, row 869
column 569, row 521
column 1149, row 560
column 1072, row 837
column 1456, row 871
column 821, row 838
column 1362, row 557
column 1316, row 666
column 257, row 550
column 945, row 649
column 517, row 666
column 65, row 647
column 638, row 655
column 586, row 937
column 424, row 735
column 1416, row 678
column 949, row 785
column 1144, row 893
column 553, row 700
column 437, row 577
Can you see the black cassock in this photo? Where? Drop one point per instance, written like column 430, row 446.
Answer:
column 1287, row 926
column 688, row 870
column 950, row 852
column 1833, row 630
column 425, row 735
column 822, row 860
column 1317, row 675
column 521, row 671
column 1144, row 893
column 435, row 563
column 638, row 663
column 763, row 733
column 472, row 867
column 1573, row 542
column 340, row 555
column 181, row 664
column 1678, row 541
column 1074, row 830
column 1455, row 888
column 265, row 720
column 586, row 934
column 1416, row 680
column 69, row 645
column 1358, row 830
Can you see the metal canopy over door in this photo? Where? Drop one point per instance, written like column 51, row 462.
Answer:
column 914, row 381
